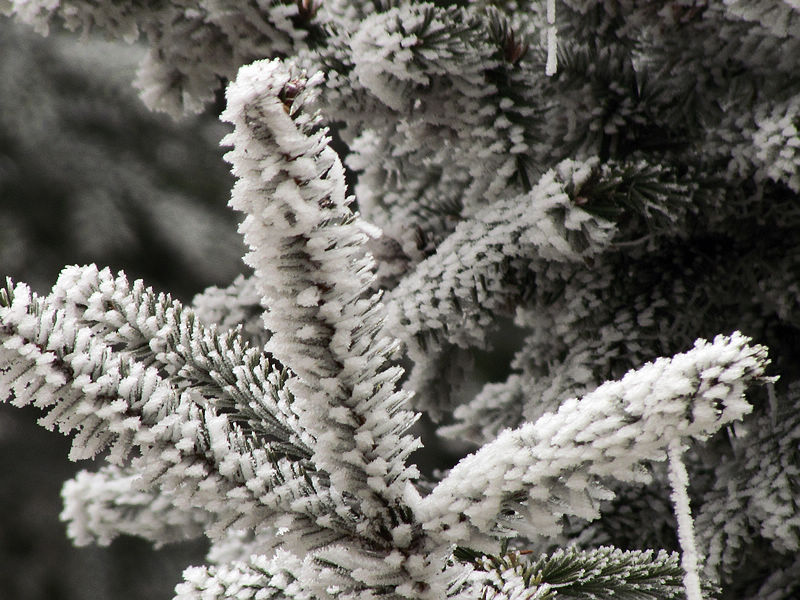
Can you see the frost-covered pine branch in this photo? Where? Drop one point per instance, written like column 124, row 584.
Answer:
column 608, row 195
column 101, row 390
column 238, row 305
column 529, row 477
column 753, row 495
column 101, row 506
column 600, row 573
column 112, row 396
column 524, row 250
column 311, row 267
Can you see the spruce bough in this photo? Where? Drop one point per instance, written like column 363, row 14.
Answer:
column 592, row 170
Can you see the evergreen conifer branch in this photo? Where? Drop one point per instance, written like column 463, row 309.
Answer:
column 451, row 61
column 417, row 46
column 99, row 507
column 645, row 315
column 754, row 495
column 523, row 252
column 775, row 142
column 257, row 578
column 309, row 254
column 188, row 446
column 159, row 332
column 575, row 213
column 639, row 517
column 641, row 195
column 605, row 572
column 446, row 297
column 500, row 406
column 236, row 306
column 337, row 571
column 780, row 18
column 238, row 545
column 529, row 477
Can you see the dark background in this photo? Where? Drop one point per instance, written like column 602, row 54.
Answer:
column 88, row 174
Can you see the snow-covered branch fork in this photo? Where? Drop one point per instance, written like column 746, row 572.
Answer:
column 523, row 481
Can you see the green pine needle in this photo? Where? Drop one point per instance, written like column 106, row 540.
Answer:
column 599, row 574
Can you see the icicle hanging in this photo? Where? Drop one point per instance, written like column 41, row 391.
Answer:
column 679, row 480
column 552, row 41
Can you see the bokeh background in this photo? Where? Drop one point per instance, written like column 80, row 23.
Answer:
column 89, row 175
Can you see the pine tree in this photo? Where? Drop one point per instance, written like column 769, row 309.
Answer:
column 616, row 179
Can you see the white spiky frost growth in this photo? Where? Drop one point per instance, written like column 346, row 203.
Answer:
column 511, row 483
column 500, row 190
column 307, row 250
column 556, row 463
column 451, row 298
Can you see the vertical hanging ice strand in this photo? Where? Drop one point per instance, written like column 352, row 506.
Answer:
column 552, row 41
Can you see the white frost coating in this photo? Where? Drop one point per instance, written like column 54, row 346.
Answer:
column 509, row 585
column 384, row 62
column 481, row 125
column 780, row 17
column 257, row 578
column 457, row 292
column 132, row 316
column 238, row 305
column 54, row 360
column 462, row 151
column 747, row 493
column 100, row 506
column 608, row 433
column 679, row 480
column 353, row 572
column 775, row 145
column 405, row 48
column 312, row 269
column 455, row 295
column 605, row 570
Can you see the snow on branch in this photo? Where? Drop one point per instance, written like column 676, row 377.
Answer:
column 336, row 571
column 780, row 17
column 528, row 478
column 475, row 273
column 201, row 453
column 399, row 53
column 159, row 332
column 630, row 323
column 521, row 254
column 604, row 572
column 258, row 578
column 754, row 495
column 514, row 248
column 509, row 249
column 236, row 306
column 453, row 111
column 308, row 250
column 99, row 507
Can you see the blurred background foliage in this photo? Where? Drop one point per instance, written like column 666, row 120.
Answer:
column 88, row 174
